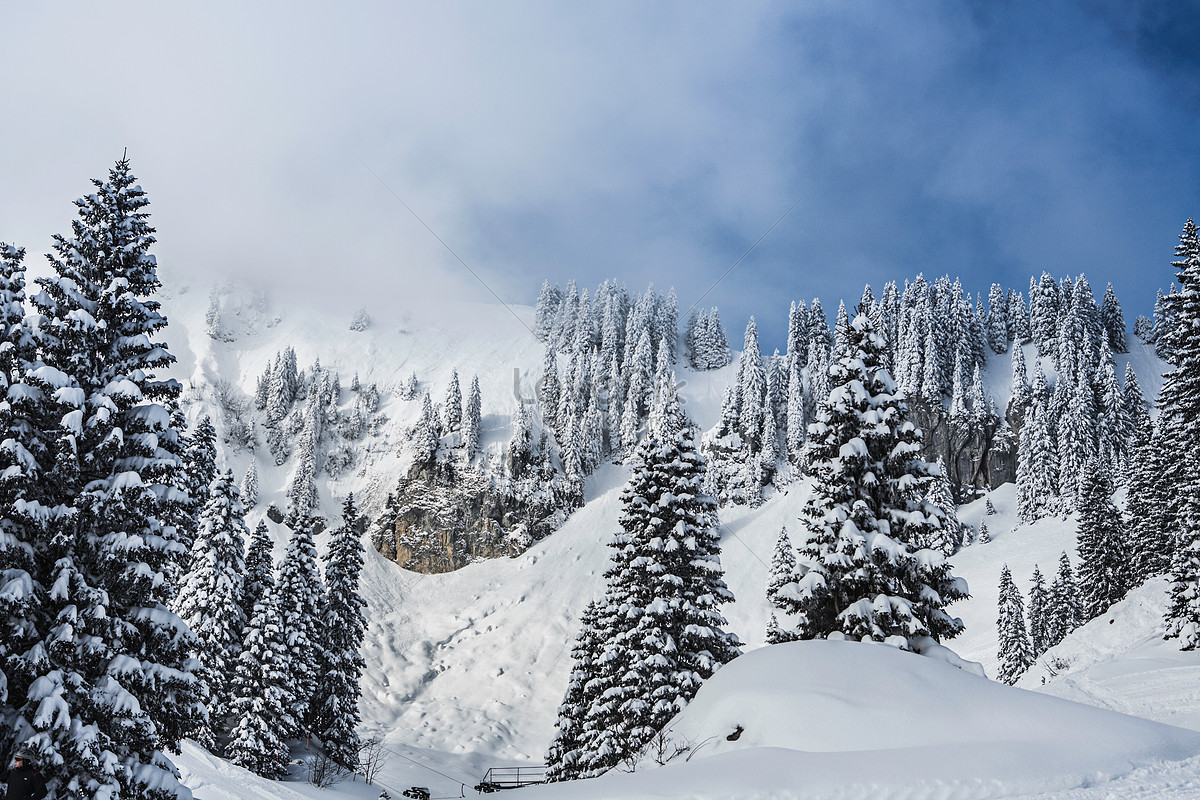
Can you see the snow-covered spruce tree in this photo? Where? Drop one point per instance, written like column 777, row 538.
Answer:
column 261, row 699
column 452, row 406
column 211, row 599
column 300, row 601
column 1151, row 540
column 868, row 577
column 782, row 574
column 1179, row 399
column 200, row 470
column 949, row 536
column 997, row 320
column 1015, row 653
column 1182, row 617
column 115, row 663
column 472, row 423
column 249, row 486
column 260, row 568
column 1038, row 598
column 566, row 758
column 426, row 435
column 23, row 534
column 1064, row 611
column 1103, row 561
column 665, row 632
column 984, row 536
column 1112, row 319
column 1037, row 467
column 341, row 663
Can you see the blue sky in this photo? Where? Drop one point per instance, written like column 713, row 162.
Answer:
column 642, row 141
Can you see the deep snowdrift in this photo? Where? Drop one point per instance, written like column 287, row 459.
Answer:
column 846, row 719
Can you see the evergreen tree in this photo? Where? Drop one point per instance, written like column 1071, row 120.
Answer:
column 984, row 537
column 249, row 487
column 211, row 599
column 300, row 602
column 1038, row 600
column 1037, row 467
column 664, row 632
column 866, row 577
column 566, row 758
column 200, row 470
column 949, row 537
column 344, row 626
column 1182, row 617
column 782, row 573
column 426, row 436
column 472, row 421
column 797, row 423
column 1179, row 399
column 260, row 569
column 997, row 321
column 1021, row 398
column 1065, row 611
column 1151, row 541
column 113, row 660
column 1015, row 652
column 1018, row 318
column 549, row 390
column 452, row 407
column 261, row 700
column 751, row 390
column 1103, row 562
column 1112, row 319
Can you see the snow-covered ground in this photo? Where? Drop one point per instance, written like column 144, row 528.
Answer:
column 465, row 670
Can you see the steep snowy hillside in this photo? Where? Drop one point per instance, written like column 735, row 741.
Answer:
column 465, row 670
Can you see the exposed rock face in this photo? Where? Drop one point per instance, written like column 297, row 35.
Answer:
column 442, row 518
column 976, row 460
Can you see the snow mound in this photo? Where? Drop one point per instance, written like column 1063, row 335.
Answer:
column 1120, row 661
column 847, row 719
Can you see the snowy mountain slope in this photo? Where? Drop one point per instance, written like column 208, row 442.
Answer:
column 465, row 670
column 848, row 720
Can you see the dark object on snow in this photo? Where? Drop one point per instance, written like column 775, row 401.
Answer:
column 274, row 514
column 416, row 792
column 25, row 781
column 497, row 778
column 737, row 734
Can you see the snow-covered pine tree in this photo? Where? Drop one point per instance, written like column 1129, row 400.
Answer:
column 344, row 626
column 1182, row 618
column 1038, row 599
column 1151, row 540
column 1021, row 398
column 452, row 407
column 782, row 574
column 115, row 661
column 716, row 348
column 1018, row 318
column 997, row 320
column 567, row 758
column 666, row 581
column 751, row 390
column 1103, row 560
column 200, row 470
column 23, row 533
column 211, row 599
column 1179, row 398
column 260, row 568
column 1037, row 466
column 866, row 576
column 984, row 536
column 546, row 311
column 472, row 421
column 426, row 435
column 1064, row 611
column 1110, row 416
column 841, row 332
column 797, row 422
column 300, row 601
column 1015, row 653
column 949, row 537
column 302, row 492
column 261, row 699
column 1076, row 438
column 249, row 486
column 1112, row 319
